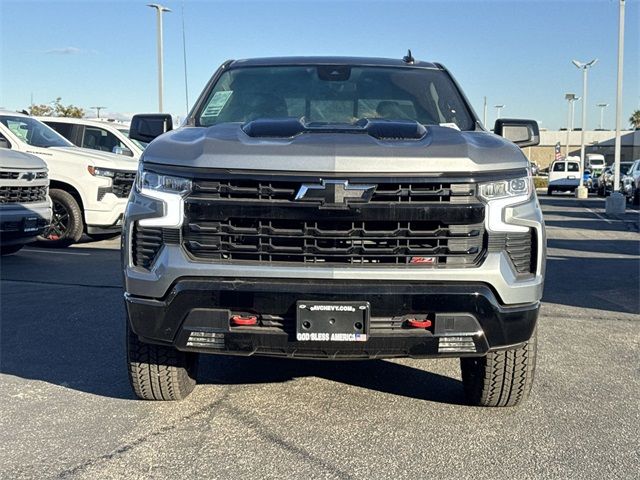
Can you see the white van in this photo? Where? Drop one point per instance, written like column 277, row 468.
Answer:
column 595, row 163
column 564, row 175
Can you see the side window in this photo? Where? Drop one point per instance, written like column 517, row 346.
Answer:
column 4, row 143
column 558, row 167
column 573, row 167
column 100, row 139
column 64, row 129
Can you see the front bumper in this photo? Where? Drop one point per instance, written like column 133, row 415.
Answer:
column 109, row 214
column 467, row 319
column 15, row 217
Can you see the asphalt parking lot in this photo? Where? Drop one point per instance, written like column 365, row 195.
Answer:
column 67, row 410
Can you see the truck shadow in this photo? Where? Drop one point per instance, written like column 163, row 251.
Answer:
column 378, row 375
column 62, row 320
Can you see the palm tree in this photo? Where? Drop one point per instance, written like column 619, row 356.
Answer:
column 634, row 120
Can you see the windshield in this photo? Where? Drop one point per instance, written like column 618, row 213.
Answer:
column 140, row 144
column 335, row 95
column 33, row 132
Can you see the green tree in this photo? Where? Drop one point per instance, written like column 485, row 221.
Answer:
column 56, row 109
column 634, row 120
column 42, row 110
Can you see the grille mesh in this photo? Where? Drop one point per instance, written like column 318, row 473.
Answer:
column 354, row 242
column 122, row 183
column 286, row 190
column 418, row 221
column 10, row 194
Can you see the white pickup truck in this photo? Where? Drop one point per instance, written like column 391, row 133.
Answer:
column 96, row 135
column 88, row 189
column 25, row 207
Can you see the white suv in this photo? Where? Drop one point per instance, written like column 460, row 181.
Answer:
column 96, row 135
column 88, row 189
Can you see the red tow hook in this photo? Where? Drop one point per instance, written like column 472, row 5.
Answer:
column 415, row 323
column 239, row 320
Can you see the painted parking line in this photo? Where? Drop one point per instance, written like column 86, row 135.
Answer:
column 600, row 216
column 84, row 254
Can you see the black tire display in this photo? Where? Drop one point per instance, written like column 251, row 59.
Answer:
column 500, row 379
column 157, row 372
column 66, row 223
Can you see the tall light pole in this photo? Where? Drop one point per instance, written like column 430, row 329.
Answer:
column 159, row 10
column 98, row 111
column 498, row 110
column 570, row 98
column 484, row 116
column 602, row 107
column 582, row 191
column 615, row 203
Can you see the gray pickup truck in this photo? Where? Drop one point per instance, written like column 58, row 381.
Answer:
column 25, row 207
column 333, row 208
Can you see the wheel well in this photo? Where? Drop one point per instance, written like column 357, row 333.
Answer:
column 70, row 190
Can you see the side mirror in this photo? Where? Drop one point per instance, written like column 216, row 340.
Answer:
column 4, row 143
column 147, row 126
column 122, row 151
column 524, row 133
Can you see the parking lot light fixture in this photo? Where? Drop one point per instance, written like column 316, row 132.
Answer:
column 581, row 191
column 160, row 10
column 570, row 98
column 602, row 106
column 98, row 111
column 616, row 202
column 498, row 110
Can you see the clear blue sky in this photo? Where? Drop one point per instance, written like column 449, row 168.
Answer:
column 516, row 53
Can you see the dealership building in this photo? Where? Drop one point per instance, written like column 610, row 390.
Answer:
column 596, row 141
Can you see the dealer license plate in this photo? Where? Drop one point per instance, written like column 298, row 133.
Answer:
column 332, row 321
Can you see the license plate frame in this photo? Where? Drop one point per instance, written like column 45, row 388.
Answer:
column 318, row 321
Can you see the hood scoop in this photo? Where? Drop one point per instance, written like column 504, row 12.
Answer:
column 388, row 130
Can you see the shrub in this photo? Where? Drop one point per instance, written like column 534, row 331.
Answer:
column 540, row 182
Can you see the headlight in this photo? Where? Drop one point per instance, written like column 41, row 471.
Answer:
column 146, row 180
column 101, row 172
column 506, row 188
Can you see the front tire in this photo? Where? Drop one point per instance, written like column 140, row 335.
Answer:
column 636, row 197
column 549, row 191
column 66, row 223
column 500, row 379
column 157, row 372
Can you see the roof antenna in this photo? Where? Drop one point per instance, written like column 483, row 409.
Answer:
column 408, row 58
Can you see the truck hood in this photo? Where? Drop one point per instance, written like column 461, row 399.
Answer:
column 14, row 160
column 99, row 159
column 441, row 150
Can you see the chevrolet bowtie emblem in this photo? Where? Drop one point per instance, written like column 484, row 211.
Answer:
column 335, row 193
column 28, row 176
